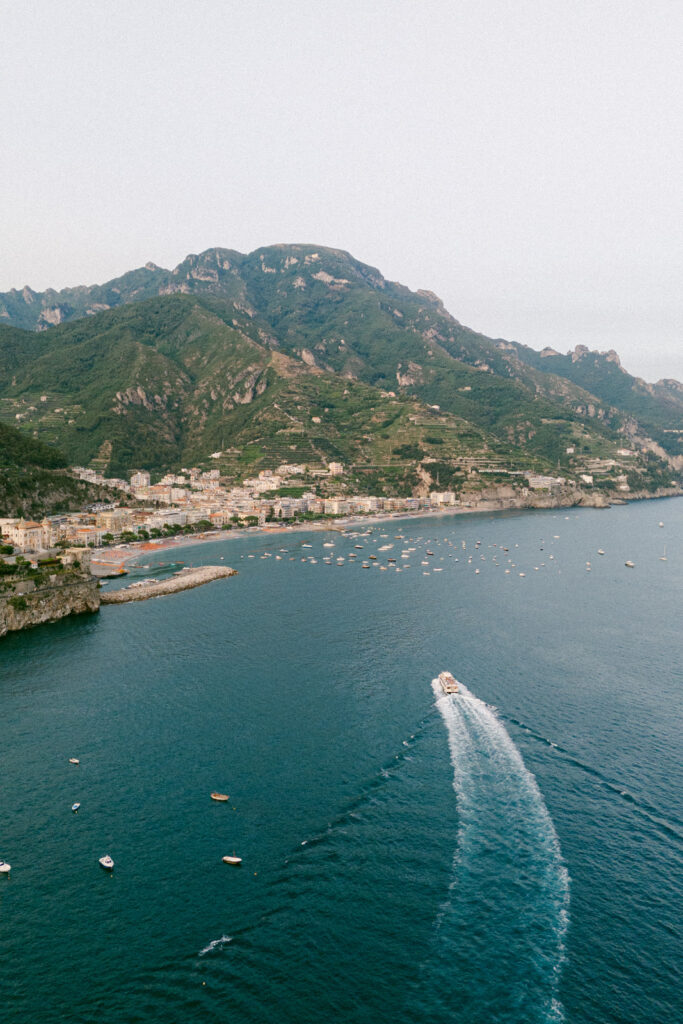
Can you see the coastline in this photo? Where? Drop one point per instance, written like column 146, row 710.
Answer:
column 129, row 552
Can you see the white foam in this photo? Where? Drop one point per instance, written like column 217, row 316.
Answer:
column 215, row 944
column 478, row 740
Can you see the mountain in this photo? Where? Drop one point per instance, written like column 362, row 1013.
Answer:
column 655, row 407
column 301, row 353
column 33, row 481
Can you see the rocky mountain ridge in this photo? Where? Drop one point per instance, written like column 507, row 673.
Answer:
column 307, row 349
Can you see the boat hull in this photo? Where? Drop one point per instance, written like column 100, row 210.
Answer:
column 448, row 683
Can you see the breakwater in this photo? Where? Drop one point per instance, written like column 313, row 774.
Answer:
column 186, row 579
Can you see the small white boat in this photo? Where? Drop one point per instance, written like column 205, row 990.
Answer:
column 221, row 797
column 106, row 862
column 74, row 807
column 74, row 760
column 600, row 551
column 5, row 868
column 232, row 859
column 630, row 565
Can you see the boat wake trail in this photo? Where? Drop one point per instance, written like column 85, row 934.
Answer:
column 215, row 944
column 499, row 936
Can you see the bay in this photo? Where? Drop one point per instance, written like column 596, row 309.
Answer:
column 513, row 854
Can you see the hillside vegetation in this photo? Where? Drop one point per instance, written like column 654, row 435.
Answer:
column 303, row 354
column 32, row 478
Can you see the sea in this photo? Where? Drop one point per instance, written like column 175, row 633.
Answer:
column 509, row 855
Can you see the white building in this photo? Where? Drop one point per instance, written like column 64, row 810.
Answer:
column 140, row 479
column 544, row 483
column 442, row 497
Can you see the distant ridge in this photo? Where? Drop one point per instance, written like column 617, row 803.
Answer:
column 303, row 352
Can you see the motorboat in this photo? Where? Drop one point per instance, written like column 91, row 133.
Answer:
column 106, row 862
column 5, row 868
column 74, row 760
column 75, row 807
column 630, row 565
column 232, row 859
column 221, row 797
column 447, row 682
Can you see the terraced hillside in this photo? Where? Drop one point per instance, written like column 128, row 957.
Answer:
column 294, row 353
column 33, row 479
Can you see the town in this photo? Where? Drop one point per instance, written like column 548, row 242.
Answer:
column 197, row 500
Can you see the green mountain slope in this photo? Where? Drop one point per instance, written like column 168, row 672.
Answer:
column 32, row 479
column 296, row 353
column 657, row 408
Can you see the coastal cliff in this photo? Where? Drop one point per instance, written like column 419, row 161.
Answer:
column 32, row 607
column 499, row 498
column 28, row 602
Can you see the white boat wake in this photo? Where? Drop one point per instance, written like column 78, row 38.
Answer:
column 502, row 927
column 215, row 944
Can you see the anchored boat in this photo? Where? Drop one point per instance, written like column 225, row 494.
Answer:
column 221, row 797
column 106, row 862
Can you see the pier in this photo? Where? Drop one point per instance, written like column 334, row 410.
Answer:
column 186, row 579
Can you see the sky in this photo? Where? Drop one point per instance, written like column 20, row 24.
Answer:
column 521, row 158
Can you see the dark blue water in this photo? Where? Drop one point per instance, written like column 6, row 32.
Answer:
column 513, row 854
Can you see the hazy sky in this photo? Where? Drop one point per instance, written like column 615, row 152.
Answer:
column 522, row 159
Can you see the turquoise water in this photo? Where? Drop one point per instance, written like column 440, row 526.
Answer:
column 513, row 854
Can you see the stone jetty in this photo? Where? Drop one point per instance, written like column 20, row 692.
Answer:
column 183, row 580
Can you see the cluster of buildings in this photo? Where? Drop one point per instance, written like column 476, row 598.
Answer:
column 194, row 496
column 199, row 496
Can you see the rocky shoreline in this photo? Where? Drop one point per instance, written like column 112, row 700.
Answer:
column 48, row 604
column 186, row 579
